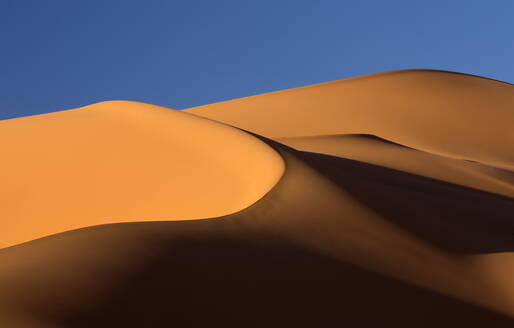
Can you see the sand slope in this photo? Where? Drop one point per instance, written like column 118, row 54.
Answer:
column 378, row 151
column 123, row 161
column 362, row 225
column 445, row 113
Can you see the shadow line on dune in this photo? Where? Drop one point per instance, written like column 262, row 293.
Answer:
column 449, row 216
column 367, row 136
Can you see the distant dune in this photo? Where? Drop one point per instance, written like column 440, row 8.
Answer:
column 385, row 200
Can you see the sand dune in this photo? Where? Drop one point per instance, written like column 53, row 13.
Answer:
column 125, row 161
column 375, row 201
column 445, row 113
column 374, row 150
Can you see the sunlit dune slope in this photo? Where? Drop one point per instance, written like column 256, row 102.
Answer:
column 445, row 113
column 123, row 161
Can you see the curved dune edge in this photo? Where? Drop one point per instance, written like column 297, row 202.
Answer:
column 445, row 113
column 309, row 248
column 122, row 161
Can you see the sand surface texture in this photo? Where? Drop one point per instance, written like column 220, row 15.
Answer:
column 380, row 201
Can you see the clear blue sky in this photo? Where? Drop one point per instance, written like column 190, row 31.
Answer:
column 60, row 54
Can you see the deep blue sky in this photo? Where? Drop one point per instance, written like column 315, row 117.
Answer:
column 62, row 54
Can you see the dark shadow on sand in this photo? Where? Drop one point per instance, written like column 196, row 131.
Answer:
column 452, row 217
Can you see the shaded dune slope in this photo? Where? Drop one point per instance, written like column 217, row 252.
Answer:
column 358, row 230
column 378, row 151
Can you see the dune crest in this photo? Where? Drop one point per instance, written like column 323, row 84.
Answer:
column 445, row 113
column 122, row 161
column 378, row 151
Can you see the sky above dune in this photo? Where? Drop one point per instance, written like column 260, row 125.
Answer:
column 58, row 54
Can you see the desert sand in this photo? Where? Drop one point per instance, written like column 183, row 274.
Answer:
column 383, row 200
column 121, row 161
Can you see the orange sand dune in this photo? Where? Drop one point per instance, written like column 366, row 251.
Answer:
column 445, row 113
column 121, row 161
column 379, row 201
